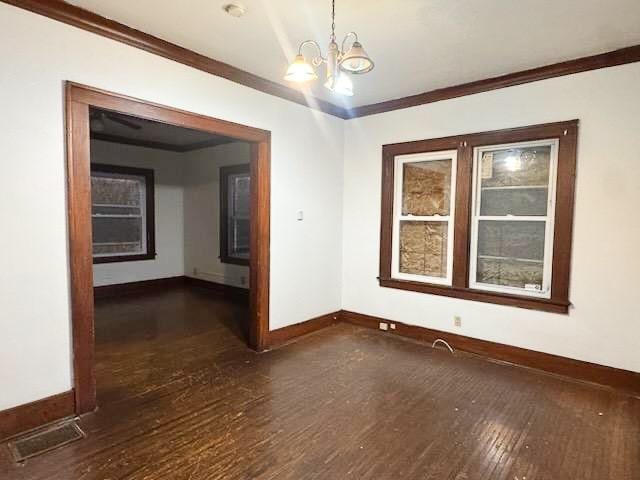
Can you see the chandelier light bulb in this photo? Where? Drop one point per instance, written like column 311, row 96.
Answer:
column 300, row 71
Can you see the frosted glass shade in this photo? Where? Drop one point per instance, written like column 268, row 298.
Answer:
column 300, row 71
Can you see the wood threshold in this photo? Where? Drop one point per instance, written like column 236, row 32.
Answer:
column 615, row 378
column 92, row 22
column 35, row 414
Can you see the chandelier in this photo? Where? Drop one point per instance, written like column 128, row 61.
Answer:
column 340, row 62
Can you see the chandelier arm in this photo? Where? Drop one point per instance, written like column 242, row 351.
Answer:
column 316, row 60
column 344, row 40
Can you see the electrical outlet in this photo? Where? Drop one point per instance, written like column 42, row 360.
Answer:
column 384, row 326
column 393, row 326
column 243, row 280
column 195, row 272
column 457, row 321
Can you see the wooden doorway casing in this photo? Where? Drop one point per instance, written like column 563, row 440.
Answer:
column 78, row 99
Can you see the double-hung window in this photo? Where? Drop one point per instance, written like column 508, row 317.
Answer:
column 122, row 213
column 235, row 198
column 512, row 218
column 423, row 222
column 484, row 217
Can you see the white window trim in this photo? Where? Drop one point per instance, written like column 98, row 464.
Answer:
column 142, row 215
column 549, row 220
column 399, row 162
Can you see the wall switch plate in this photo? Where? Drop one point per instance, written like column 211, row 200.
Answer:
column 457, row 321
column 384, row 326
column 393, row 326
column 300, row 215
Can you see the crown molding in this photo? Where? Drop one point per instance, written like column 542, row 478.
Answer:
column 569, row 67
column 92, row 22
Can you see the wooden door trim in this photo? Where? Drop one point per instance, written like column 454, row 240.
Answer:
column 78, row 99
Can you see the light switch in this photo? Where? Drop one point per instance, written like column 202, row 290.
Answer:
column 300, row 215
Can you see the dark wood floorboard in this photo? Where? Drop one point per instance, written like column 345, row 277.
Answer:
column 182, row 397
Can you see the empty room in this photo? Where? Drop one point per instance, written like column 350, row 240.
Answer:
column 320, row 239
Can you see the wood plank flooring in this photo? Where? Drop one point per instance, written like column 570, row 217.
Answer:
column 182, row 397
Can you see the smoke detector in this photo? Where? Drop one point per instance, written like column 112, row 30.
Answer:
column 236, row 10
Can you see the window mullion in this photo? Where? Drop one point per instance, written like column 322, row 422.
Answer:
column 464, row 174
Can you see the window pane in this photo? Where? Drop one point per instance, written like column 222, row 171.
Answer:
column 423, row 248
column 239, row 239
column 241, row 186
column 512, row 273
column 515, row 181
column 426, row 188
column 116, row 191
column 511, row 253
column 117, row 235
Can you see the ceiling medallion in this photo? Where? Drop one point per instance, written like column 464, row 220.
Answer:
column 340, row 62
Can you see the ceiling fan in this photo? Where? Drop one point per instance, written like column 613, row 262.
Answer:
column 97, row 121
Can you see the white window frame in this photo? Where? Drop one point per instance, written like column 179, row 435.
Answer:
column 143, row 214
column 549, row 219
column 399, row 162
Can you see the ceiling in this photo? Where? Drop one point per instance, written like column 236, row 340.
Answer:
column 151, row 134
column 417, row 45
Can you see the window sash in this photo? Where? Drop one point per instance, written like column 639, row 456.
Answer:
column 549, row 219
column 399, row 162
column 235, row 217
column 142, row 206
column 234, row 249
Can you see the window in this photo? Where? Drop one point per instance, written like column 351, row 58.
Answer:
column 235, row 197
column 512, row 218
column 485, row 217
column 122, row 213
column 423, row 223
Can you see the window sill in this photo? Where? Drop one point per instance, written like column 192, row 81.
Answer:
column 234, row 260
column 531, row 303
column 125, row 258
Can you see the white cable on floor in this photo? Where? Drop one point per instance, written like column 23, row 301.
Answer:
column 442, row 341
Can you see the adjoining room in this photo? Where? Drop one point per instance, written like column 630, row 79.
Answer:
column 170, row 229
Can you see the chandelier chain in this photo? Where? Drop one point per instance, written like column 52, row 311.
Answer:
column 333, row 20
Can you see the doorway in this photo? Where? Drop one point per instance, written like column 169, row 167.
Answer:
column 80, row 100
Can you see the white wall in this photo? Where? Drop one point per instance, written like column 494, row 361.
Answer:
column 38, row 55
column 202, row 213
column 169, row 188
column 604, row 326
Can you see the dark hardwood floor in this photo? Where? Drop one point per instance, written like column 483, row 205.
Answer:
column 182, row 397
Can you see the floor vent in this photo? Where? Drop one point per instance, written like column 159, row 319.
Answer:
column 45, row 440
